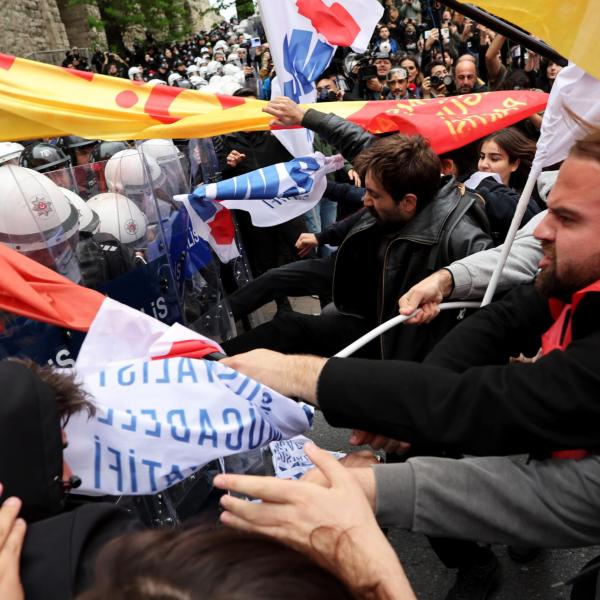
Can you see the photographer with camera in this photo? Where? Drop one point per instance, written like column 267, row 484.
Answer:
column 372, row 78
column 438, row 82
column 114, row 65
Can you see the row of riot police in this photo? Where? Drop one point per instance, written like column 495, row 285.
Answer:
column 103, row 215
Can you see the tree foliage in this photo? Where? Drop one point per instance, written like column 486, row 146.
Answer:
column 165, row 19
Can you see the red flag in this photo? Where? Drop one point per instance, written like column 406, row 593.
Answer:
column 31, row 290
column 447, row 123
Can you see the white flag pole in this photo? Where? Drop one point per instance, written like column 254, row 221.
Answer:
column 365, row 339
column 512, row 232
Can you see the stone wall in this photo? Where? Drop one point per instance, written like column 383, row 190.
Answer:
column 76, row 20
column 30, row 26
column 200, row 21
column 37, row 26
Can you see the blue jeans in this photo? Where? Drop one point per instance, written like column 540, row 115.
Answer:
column 319, row 217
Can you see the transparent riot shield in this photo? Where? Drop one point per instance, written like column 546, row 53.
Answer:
column 37, row 220
column 118, row 242
column 205, row 168
column 138, row 212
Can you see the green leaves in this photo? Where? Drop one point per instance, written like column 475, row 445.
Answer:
column 167, row 20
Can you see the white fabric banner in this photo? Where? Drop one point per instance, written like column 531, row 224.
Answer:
column 576, row 90
column 158, row 421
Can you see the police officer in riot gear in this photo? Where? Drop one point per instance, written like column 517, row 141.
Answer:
column 80, row 150
column 37, row 220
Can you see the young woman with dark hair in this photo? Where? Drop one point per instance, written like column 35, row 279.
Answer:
column 509, row 153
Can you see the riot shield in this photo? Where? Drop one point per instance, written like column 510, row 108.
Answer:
column 139, row 212
column 39, row 222
column 205, row 168
column 119, row 244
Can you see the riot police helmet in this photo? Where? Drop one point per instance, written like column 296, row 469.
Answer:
column 43, row 157
column 10, row 152
column 120, row 217
column 104, row 150
column 37, row 220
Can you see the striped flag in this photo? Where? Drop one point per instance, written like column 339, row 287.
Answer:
column 271, row 195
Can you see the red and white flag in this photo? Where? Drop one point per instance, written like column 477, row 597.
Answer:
column 161, row 412
column 303, row 36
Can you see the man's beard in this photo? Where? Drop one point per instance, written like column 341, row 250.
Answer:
column 550, row 285
column 385, row 225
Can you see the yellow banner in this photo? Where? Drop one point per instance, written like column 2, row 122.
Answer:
column 42, row 101
column 572, row 28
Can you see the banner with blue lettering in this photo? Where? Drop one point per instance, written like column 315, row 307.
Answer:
column 272, row 195
column 159, row 421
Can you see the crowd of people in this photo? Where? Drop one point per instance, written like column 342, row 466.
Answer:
column 399, row 229
column 414, row 53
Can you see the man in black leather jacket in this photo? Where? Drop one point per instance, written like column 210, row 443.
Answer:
column 414, row 223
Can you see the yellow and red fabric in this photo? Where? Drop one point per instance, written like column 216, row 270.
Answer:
column 39, row 100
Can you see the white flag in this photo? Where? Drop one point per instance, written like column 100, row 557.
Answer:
column 579, row 92
column 159, row 421
column 162, row 412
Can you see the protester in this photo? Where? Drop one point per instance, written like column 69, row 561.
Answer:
column 509, row 154
column 405, row 200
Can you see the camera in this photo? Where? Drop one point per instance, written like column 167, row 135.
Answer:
column 327, row 96
column 367, row 72
column 437, row 81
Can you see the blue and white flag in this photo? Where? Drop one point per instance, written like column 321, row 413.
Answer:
column 162, row 411
column 303, row 36
column 159, row 421
column 271, row 195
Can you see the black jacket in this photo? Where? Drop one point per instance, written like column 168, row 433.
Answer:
column 31, row 454
column 261, row 148
column 374, row 268
column 500, row 204
column 59, row 553
column 468, row 398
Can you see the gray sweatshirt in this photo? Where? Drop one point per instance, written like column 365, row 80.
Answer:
column 473, row 273
column 550, row 503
